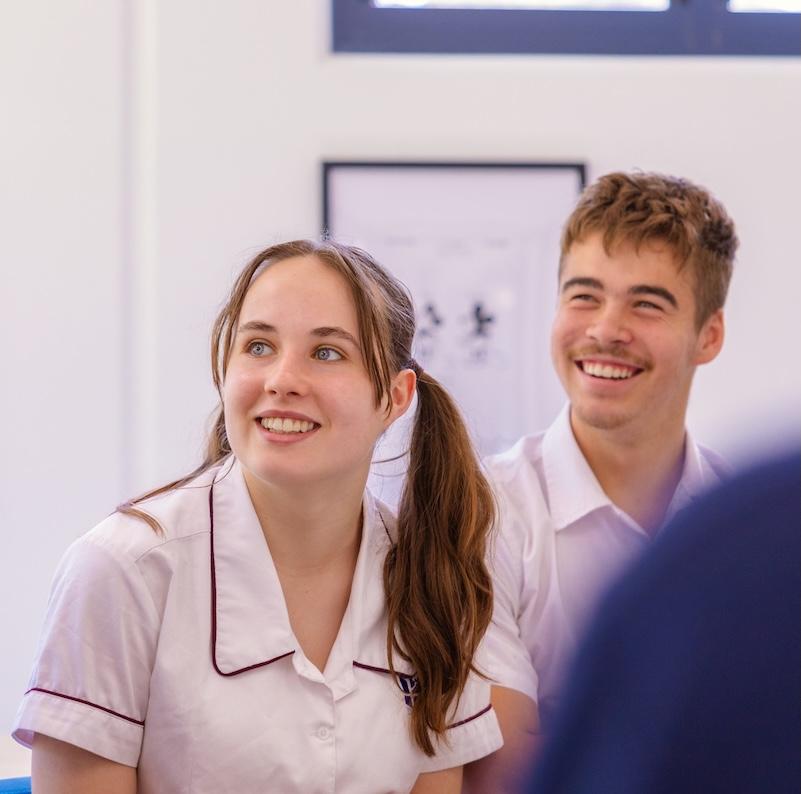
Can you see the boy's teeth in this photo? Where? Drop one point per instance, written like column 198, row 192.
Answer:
column 606, row 370
column 278, row 424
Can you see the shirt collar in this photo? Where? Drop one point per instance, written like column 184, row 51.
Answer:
column 697, row 476
column 367, row 607
column 250, row 624
column 573, row 490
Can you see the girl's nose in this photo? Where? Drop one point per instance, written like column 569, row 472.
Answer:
column 286, row 377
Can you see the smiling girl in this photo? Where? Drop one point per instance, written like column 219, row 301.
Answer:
column 264, row 624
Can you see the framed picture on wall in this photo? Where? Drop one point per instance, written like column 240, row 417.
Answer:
column 477, row 244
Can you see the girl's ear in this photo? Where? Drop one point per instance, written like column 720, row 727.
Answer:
column 401, row 394
column 710, row 338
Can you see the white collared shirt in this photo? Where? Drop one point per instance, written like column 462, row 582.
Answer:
column 560, row 543
column 175, row 654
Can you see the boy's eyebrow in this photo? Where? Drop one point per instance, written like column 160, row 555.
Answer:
column 661, row 292
column 638, row 289
column 582, row 281
column 324, row 331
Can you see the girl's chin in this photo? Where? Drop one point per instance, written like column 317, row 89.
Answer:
column 270, row 475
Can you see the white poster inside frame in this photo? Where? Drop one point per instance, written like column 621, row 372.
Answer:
column 478, row 247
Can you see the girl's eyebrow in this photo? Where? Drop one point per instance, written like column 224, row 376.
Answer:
column 333, row 330
column 256, row 325
column 323, row 332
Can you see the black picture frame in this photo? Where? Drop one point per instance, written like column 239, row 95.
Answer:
column 477, row 245
column 329, row 166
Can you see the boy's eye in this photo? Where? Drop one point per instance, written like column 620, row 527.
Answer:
column 327, row 354
column 259, row 349
column 582, row 297
column 648, row 305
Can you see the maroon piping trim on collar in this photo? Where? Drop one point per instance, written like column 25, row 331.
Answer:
column 214, row 604
column 386, row 528
column 377, row 669
column 404, row 675
column 381, row 670
column 86, row 703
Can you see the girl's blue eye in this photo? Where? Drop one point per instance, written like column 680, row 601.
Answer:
column 327, row 354
column 259, row 348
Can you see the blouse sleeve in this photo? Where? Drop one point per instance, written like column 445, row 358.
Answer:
column 90, row 681
column 472, row 732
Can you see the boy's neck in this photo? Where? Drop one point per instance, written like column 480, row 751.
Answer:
column 638, row 472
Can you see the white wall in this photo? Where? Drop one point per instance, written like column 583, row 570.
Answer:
column 152, row 146
column 61, row 280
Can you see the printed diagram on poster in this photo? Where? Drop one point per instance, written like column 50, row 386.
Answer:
column 478, row 247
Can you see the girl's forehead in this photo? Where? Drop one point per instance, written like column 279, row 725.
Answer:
column 295, row 267
column 300, row 288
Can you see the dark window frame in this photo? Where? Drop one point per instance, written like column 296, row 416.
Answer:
column 689, row 27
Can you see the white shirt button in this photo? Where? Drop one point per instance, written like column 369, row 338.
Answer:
column 323, row 733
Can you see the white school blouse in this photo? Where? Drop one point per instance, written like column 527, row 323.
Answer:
column 174, row 653
column 560, row 543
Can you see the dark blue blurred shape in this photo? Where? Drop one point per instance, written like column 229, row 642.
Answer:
column 690, row 678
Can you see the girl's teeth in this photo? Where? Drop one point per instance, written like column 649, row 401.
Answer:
column 277, row 424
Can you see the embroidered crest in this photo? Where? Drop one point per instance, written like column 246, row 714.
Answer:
column 410, row 686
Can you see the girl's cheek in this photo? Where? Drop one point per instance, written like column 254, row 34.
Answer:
column 241, row 383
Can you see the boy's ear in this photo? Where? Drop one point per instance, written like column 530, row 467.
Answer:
column 710, row 338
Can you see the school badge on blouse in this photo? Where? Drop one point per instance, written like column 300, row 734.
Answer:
column 410, row 686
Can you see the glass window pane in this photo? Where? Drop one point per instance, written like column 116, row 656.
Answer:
column 781, row 6
column 563, row 5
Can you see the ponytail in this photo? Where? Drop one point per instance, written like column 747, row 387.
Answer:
column 438, row 588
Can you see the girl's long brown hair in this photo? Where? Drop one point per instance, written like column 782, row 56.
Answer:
column 436, row 583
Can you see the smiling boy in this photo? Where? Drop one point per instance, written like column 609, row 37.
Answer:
column 645, row 265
